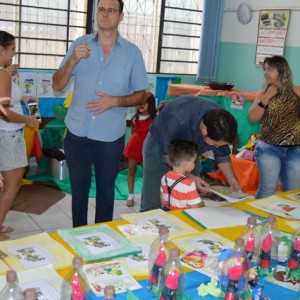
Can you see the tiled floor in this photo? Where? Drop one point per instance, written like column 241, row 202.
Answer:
column 58, row 217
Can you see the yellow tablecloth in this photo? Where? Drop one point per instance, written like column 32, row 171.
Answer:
column 231, row 234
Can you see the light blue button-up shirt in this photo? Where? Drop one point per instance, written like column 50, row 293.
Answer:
column 121, row 74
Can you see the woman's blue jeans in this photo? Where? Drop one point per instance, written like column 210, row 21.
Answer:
column 81, row 154
column 274, row 163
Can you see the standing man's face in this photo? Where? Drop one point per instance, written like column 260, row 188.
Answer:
column 108, row 14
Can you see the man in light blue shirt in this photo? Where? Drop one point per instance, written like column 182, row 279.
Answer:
column 110, row 76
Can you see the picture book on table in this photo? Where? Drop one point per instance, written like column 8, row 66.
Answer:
column 45, row 280
column 229, row 195
column 97, row 242
column 278, row 206
column 158, row 217
column 35, row 251
column 137, row 264
column 100, row 275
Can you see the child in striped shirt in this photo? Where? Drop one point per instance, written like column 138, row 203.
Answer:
column 177, row 190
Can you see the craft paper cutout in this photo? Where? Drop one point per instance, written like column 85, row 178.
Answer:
column 202, row 251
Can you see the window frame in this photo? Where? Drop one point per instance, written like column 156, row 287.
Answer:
column 157, row 49
column 162, row 34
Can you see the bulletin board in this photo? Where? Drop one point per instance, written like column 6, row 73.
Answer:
column 272, row 30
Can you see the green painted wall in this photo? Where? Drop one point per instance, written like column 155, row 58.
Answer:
column 236, row 63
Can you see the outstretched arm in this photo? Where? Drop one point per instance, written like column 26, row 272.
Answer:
column 200, row 183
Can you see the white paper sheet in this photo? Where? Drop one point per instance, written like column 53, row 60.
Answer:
column 217, row 217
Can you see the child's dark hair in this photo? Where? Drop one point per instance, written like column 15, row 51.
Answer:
column 150, row 99
column 181, row 150
column 6, row 38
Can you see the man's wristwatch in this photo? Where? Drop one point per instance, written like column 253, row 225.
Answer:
column 262, row 105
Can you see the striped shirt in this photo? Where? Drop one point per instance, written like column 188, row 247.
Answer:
column 183, row 194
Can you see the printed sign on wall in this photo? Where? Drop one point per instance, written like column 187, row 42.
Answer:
column 272, row 31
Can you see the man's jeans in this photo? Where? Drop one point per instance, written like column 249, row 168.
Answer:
column 81, row 153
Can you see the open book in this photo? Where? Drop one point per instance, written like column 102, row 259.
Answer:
column 229, row 195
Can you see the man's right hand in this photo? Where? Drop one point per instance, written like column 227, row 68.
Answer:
column 81, row 51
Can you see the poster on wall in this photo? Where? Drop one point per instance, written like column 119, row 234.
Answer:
column 272, row 31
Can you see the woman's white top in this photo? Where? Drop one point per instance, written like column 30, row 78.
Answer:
column 15, row 105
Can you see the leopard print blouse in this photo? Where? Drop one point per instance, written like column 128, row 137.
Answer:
column 281, row 121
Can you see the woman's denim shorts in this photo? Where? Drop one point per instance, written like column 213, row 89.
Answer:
column 12, row 150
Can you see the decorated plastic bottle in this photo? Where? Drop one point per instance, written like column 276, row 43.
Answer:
column 158, row 256
column 251, row 238
column 293, row 262
column 109, row 292
column 269, row 243
column 74, row 285
column 235, row 271
column 11, row 290
column 172, row 278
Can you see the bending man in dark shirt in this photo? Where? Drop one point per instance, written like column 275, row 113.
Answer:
column 195, row 119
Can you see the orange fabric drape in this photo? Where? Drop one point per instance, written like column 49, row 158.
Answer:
column 33, row 145
column 246, row 172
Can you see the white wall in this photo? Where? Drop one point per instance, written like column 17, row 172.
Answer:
column 233, row 31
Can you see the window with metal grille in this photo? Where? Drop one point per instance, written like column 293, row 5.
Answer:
column 43, row 29
column 166, row 31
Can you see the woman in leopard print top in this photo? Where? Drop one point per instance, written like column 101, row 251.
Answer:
column 277, row 152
